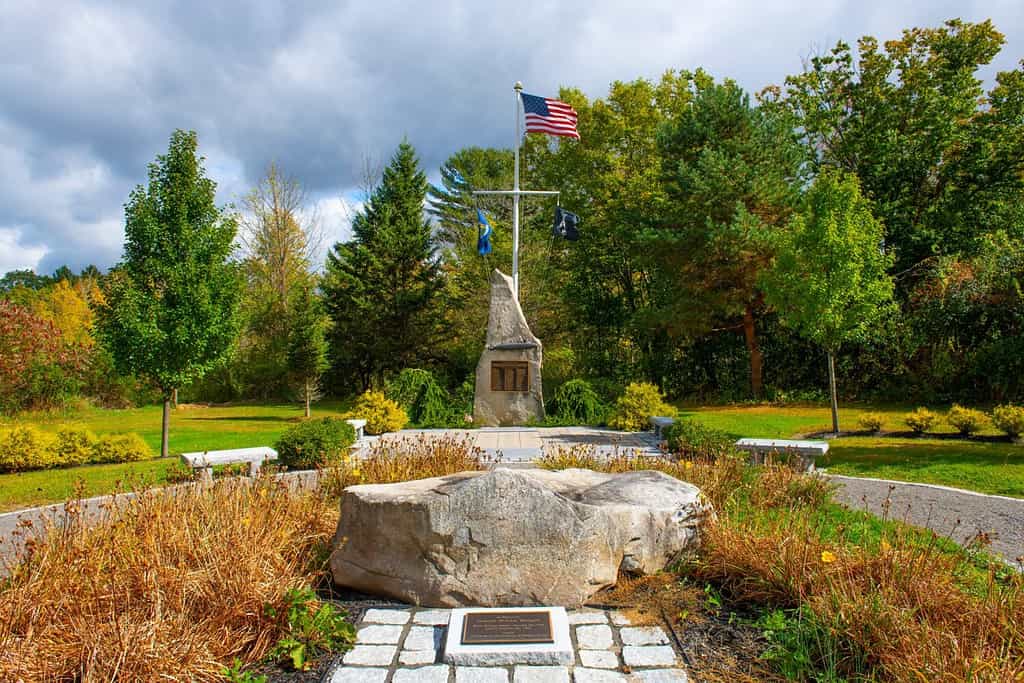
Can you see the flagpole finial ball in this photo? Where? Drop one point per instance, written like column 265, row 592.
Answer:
column 518, row 85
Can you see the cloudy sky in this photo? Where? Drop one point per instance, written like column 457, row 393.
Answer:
column 90, row 91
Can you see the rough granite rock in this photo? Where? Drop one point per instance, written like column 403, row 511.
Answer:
column 508, row 339
column 512, row 537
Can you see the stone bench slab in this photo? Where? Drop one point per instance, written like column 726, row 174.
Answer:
column 659, row 424
column 805, row 450
column 207, row 460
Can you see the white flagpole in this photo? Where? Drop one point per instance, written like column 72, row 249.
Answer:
column 518, row 88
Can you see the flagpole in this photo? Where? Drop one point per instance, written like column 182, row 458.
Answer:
column 518, row 88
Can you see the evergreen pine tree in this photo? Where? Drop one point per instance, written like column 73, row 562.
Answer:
column 307, row 346
column 381, row 286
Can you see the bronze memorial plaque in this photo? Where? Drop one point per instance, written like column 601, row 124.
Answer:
column 506, row 628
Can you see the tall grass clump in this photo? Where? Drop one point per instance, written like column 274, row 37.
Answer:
column 169, row 584
column 405, row 459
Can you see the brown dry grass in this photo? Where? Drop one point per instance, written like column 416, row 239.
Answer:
column 173, row 584
column 904, row 609
column 167, row 585
column 404, row 459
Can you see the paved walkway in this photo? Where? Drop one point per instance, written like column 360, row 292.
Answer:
column 956, row 513
column 406, row 646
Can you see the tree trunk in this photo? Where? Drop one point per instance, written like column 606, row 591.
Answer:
column 832, row 392
column 756, row 358
column 308, row 391
column 166, row 425
column 174, row 398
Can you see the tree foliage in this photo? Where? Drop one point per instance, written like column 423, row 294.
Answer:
column 172, row 304
column 381, row 287
column 307, row 346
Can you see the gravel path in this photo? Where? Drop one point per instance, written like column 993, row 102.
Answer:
column 956, row 513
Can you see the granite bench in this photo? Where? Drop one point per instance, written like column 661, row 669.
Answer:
column 659, row 424
column 803, row 452
column 205, row 461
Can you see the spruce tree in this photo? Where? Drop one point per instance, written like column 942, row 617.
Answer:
column 307, row 346
column 381, row 286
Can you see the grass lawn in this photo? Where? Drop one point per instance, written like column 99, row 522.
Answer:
column 193, row 428
column 988, row 467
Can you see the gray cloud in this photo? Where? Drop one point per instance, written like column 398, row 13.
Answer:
column 89, row 91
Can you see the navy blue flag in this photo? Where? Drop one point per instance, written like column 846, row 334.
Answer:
column 566, row 225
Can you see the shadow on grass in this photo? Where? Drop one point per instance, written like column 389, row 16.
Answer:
column 242, row 418
column 924, row 455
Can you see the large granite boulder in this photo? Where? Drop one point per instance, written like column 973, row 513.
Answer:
column 512, row 537
column 506, row 395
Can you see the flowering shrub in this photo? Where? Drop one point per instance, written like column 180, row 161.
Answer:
column 870, row 422
column 633, row 410
column 27, row 448
column 921, row 420
column 381, row 413
column 76, row 445
column 120, row 448
column 1009, row 420
column 966, row 420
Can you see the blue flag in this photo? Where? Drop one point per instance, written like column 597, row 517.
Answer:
column 483, row 238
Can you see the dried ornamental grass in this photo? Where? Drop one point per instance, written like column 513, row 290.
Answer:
column 168, row 585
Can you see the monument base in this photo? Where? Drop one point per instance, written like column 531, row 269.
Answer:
column 556, row 652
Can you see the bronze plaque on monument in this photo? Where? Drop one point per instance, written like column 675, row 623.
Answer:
column 506, row 628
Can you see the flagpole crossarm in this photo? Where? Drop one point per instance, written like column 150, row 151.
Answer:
column 545, row 193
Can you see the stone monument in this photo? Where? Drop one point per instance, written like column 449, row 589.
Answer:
column 508, row 376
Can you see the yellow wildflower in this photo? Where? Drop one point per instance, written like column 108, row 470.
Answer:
column 828, row 557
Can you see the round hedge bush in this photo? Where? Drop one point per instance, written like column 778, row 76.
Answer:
column 315, row 443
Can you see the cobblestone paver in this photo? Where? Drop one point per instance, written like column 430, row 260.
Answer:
column 406, row 646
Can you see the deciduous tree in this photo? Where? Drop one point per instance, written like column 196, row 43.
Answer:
column 829, row 280
column 172, row 304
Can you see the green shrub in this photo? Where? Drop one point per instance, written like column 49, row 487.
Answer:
column 27, row 448
column 434, row 407
column 608, row 390
column 870, row 422
column 75, row 445
column 120, row 448
column 311, row 628
column 381, row 413
column 690, row 438
column 315, row 443
column 407, row 386
column 921, row 420
column 1009, row 420
column 423, row 399
column 635, row 407
column 576, row 402
column 967, row 421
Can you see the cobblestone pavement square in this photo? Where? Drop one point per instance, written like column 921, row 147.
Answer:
column 406, row 646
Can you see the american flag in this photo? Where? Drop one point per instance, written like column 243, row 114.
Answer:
column 546, row 115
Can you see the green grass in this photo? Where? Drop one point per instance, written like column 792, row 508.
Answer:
column 984, row 466
column 193, row 428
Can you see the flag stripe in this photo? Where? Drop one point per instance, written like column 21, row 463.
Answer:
column 547, row 115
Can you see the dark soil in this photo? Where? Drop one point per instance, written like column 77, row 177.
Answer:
column 718, row 642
